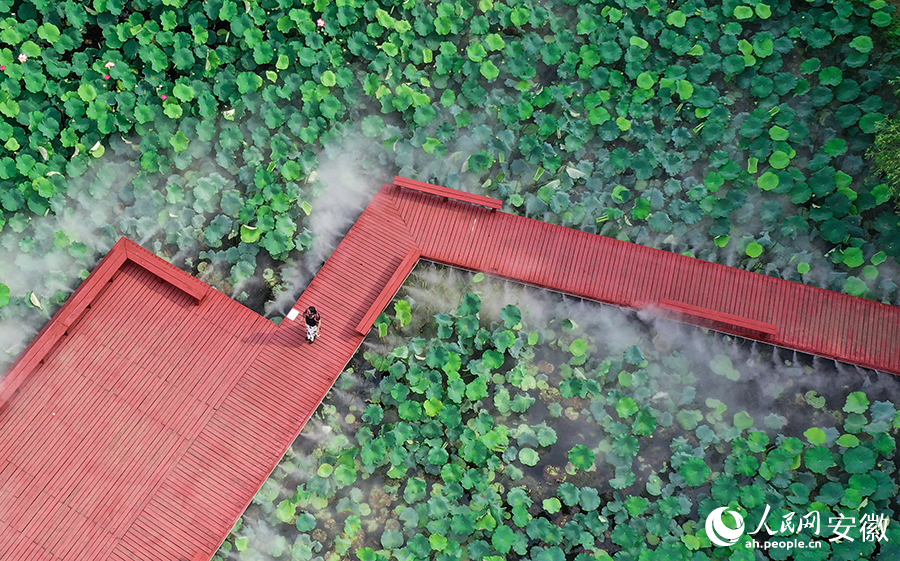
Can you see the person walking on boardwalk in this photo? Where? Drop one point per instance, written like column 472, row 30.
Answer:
column 311, row 315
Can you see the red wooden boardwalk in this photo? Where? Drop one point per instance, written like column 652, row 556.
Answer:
column 141, row 421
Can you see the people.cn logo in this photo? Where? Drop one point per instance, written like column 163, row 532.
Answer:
column 718, row 532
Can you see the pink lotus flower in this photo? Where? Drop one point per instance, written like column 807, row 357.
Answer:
column 320, row 22
column 106, row 77
column 164, row 97
column 3, row 67
column 110, row 64
column 23, row 57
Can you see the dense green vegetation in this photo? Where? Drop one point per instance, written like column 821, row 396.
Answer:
column 486, row 435
column 735, row 131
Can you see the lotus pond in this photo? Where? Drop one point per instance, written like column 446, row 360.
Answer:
column 487, row 420
column 735, row 131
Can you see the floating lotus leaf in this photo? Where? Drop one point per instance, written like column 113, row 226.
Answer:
column 695, row 471
column 529, row 457
column 391, row 539
column 644, row 424
column 581, row 456
column 503, row 539
column 578, row 347
column 860, row 459
column 863, row 43
column 815, row 435
column 626, row 407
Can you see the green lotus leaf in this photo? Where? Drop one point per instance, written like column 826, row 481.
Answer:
column 179, row 141
column 372, row 126
column 529, row 457
column 373, row 414
column 638, row 42
column 581, row 456
column 476, row 390
column 470, row 304
column 646, row 80
column 848, row 115
column 733, row 64
column 644, row 424
column 676, row 18
column 634, row 356
column 685, row 89
column 858, row 460
column 705, row 96
column 551, row 505
column 589, row 499
column 768, row 181
column 763, row 46
column 578, row 347
column 48, row 32
column 778, row 134
column 694, row 471
column 848, row 441
column 391, row 539
column 511, row 316
column 626, row 407
column 831, row 76
column 415, row 490
column 743, row 420
column 290, row 170
column 410, row 410
column 87, row 92
column 743, row 12
column 660, row 222
column 881, row 19
column 248, row 82
column 815, row 435
column 432, row 406
column 546, row 436
column 855, row 422
column 754, row 250
column 869, row 122
column 834, row 231
column 863, row 43
column 286, row 511
column 779, row 159
column 503, row 539
column 345, row 475
column 609, row 52
column 481, row 161
column 305, row 522
column 818, row 38
column 520, row 16
column 857, row 402
column 835, row 147
column 853, row 257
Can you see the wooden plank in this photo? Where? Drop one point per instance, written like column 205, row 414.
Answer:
column 166, row 271
column 449, row 193
column 387, row 293
column 719, row 317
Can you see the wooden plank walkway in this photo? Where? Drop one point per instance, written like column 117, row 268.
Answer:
column 142, row 420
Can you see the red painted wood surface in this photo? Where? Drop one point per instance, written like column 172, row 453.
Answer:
column 717, row 318
column 142, row 420
column 448, row 193
column 390, row 289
